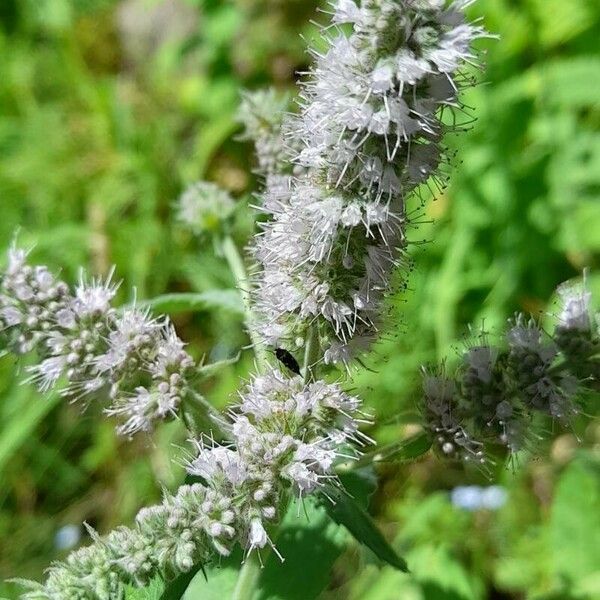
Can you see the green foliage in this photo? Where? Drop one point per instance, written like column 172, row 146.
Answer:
column 101, row 127
column 310, row 543
column 172, row 304
column 575, row 526
column 175, row 590
column 153, row 591
column 346, row 510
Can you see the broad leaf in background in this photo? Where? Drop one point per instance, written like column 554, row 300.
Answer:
column 575, row 523
column 435, row 575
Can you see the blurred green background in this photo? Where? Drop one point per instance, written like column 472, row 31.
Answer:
column 109, row 108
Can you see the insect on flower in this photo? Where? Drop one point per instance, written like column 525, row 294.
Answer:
column 286, row 359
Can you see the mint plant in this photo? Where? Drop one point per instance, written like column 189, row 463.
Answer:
column 344, row 172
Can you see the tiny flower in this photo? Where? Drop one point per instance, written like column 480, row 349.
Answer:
column 257, row 537
column 204, row 207
column 575, row 308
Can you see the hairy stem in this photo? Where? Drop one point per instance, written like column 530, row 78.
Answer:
column 236, row 264
column 249, row 574
column 312, row 356
column 245, row 586
column 201, row 416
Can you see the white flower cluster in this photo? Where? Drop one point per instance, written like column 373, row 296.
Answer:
column 204, row 206
column 498, row 390
column 369, row 131
column 576, row 333
column 30, row 297
column 531, row 357
column 262, row 113
column 286, row 434
column 286, row 438
column 86, row 347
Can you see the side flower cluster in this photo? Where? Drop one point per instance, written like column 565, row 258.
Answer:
column 498, row 390
column 87, row 348
column 262, row 114
column 369, row 133
column 204, row 207
column 287, row 436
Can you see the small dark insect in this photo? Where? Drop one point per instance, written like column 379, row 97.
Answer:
column 284, row 357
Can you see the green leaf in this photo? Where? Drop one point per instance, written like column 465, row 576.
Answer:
column 175, row 589
column 408, row 449
column 360, row 484
column 190, row 302
column 219, row 581
column 441, row 575
column 310, row 544
column 565, row 82
column 21, row 425
column 575, row 521
column 559, row 22
column 347, row 512
column 153, row 591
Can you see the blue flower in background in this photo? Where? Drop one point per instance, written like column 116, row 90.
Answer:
column 474, row 497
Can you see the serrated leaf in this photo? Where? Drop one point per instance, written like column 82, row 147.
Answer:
column 153, row 591
column 360, row 484
column 347, row 512
column 228, row 300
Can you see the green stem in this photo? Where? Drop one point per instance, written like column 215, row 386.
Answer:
column 249, row 575
column 247, row 581
column 199, row 416
column 238, row 268
column 312, row 351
